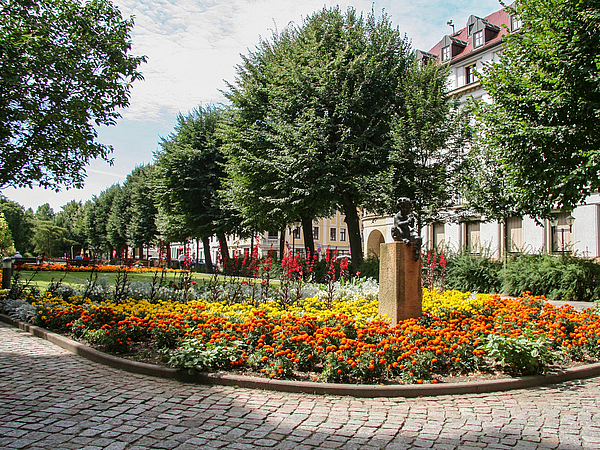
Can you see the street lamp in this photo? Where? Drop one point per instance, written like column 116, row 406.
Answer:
column 570, row 221
column 295, row 226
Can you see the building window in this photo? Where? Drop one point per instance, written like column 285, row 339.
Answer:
column 562, row 236
column 296, row 232
column 439, row 236
column 342, row 234
column 273, row 235
column 316, row 233
column 470, row 76
column 516, row 23
column 514, row 234
column 478, row 39
column 446, row 53
column 474, row 237
column 332, row 234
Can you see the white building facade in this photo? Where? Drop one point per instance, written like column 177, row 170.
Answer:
column 574, row 232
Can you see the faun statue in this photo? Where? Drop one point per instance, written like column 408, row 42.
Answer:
column 402, row 230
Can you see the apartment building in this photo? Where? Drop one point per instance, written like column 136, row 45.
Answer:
column 466, row 51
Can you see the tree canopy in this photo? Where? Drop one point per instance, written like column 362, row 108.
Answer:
column 65, row 69
column 541, row 131
column 318, row 98
column 189, row 176
column 429, row 136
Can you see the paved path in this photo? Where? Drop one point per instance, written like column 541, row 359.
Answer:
column 51, row 399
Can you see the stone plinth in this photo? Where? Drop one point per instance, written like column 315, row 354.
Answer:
column 400, row 292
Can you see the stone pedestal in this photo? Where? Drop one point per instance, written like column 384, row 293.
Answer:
column 400, row 291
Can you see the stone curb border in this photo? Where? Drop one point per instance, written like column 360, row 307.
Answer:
column 307, row 387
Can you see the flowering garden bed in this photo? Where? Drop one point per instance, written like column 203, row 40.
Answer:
column 339, row 341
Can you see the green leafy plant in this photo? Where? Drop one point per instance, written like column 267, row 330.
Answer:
column 527, row 354
column 196, row 355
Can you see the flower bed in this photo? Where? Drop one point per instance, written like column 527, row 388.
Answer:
column 346, row 342
column 102, row 268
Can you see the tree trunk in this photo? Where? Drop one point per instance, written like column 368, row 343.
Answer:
column 307, row 230
column 354, row 236
column 224, row 249
column 207, row 256
column 282, row 242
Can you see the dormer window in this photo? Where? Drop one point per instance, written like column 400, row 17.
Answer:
column 451, row 47
column 446, row 53
column 478, row 39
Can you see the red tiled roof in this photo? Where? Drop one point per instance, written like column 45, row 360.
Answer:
column 499, row 18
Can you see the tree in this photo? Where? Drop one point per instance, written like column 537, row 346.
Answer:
column 64, row 70
column 71, row 217
column 324, row 104
column 7, row 247
column 97, row 213
column 45, row 212
column 542, row 127
column 118, row 218
column 48, row 238
column 20, row 222
column 142, row 230
column 189, row 173
column 427, row 155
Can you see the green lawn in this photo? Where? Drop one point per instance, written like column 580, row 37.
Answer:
column 43, row 278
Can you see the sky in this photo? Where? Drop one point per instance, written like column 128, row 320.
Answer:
column 192, row 49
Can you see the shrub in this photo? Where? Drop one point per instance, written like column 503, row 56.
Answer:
column 370, row 268
column 566, row 278
column 193, row 354
column 474, row 273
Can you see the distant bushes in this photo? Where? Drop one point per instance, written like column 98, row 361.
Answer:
column 566, row 278
column 475, row 273
column 558, row 278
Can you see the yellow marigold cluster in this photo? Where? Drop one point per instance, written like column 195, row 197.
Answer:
column 441, row 303
column 362, row 311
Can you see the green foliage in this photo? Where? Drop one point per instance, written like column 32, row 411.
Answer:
column 429, row 136
column 540, row 134
column 474, row 273
column 109, row 339
column 567, row 278
column 370, row 268
column 48, row 238
column 312, row 110
column 69, row 72
column 20, row 222
column 71, row 217
column 195, row 355
column 527, row 354
column 189, row 175
column 7, row 247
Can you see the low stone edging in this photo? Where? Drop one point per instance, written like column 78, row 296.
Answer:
column 307, row 387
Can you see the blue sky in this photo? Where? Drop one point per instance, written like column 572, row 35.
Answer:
column 193, row 46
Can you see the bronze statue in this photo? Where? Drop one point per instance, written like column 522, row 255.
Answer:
column 402, row 230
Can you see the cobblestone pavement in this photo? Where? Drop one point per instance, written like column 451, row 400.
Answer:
column 52, row 399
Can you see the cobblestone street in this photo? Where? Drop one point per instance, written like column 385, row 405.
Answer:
column 51, row 399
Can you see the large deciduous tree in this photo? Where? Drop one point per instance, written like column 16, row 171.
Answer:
column 542, row 129
column 321, row 100
column 189, row 175
column 20, row 222
column 65, row 69
column 429, row 137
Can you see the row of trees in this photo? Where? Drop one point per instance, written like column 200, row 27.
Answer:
column 333, row 114
column 337, row 113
